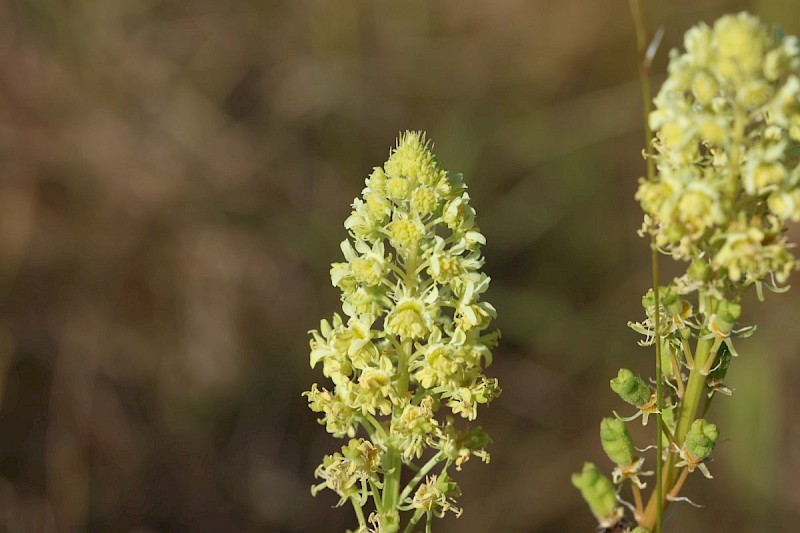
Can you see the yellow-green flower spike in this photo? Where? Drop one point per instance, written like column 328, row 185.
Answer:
column 701, row 439
column 599, row 493
column 726, row 123
column 616, row 441
column 631, row 388
column 413, row 338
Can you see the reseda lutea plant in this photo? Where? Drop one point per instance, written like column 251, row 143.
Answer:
column 727, row 153
column 412, row 346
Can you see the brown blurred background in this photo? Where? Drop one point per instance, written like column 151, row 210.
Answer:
column 173, row 181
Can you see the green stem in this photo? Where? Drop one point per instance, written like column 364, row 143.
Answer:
column 376, row 496
column 413, row 522
column 695, row 389
column 359, row 513
column 427, row 467
column 676, row 372
column 377, row 425
column 659, row 393
column 644, row 76
column 403, row 356
column 393, row 464
column 391, row 480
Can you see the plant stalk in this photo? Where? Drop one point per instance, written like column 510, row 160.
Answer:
column 695, row 389
column 637, row 13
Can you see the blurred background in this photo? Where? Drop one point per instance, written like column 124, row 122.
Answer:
column 173, row 181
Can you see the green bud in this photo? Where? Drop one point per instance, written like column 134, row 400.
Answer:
column 616, row 441
column 631, row 388
column 640, row 529
column 699, row 270
column 701, row 439
column 597, row 490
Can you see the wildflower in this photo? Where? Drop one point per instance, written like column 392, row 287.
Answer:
column 409, row 319
column 414, row 339
column 726, row 182
column 437, row 495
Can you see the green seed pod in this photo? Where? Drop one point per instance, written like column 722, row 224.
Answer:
column 631, row 388
column 616, row 441
column 701, row 439
column 597, row 490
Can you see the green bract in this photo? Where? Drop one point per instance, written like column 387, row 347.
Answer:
column 412, row 341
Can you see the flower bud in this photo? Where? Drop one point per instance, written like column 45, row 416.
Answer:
column 631, row 388
column 616, row 441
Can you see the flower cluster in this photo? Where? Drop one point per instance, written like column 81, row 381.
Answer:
column 727, row 151
column 413, row 339
column 728, row 126
column 727, row 158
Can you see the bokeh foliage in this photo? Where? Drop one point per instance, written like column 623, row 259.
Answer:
column 173, row 177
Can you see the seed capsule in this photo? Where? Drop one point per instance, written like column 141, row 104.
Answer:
column 616, row 441
column 701, row 439
column 631, row 388
column 598, row 491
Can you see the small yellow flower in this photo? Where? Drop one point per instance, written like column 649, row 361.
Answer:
column 405, row 233
column 366, row 270
column 424, row 201
column 397, row 188
column 415, row 338
column 704, row 87
column 408, row 319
